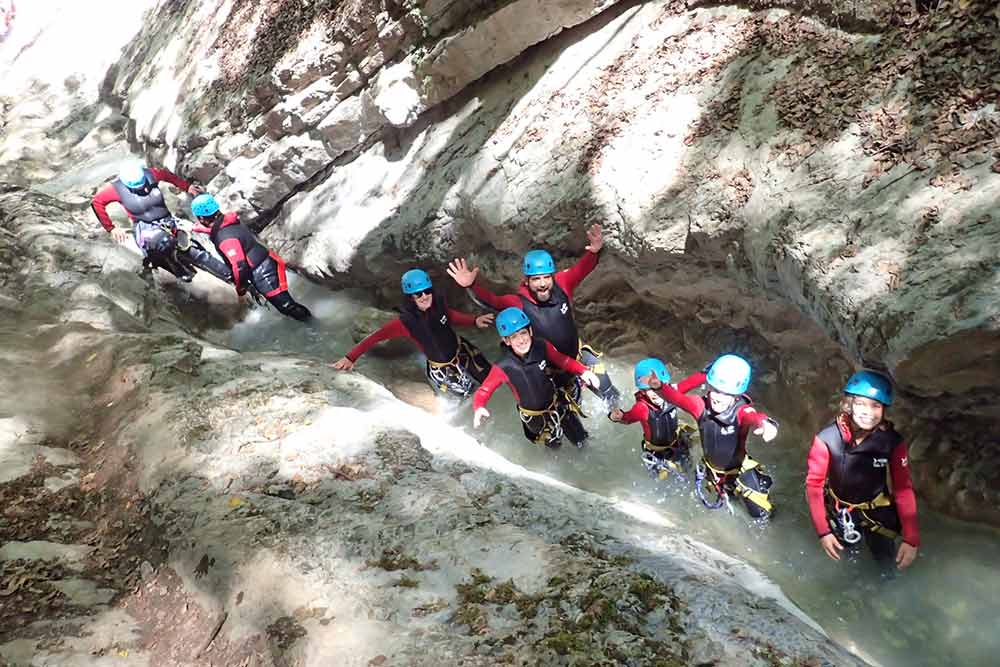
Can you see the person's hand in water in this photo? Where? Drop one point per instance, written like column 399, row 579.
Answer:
column 905, row 556
column 831, row 545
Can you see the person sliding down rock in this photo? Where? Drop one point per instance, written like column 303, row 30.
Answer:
column 725, row 416
column 455, row 366
column 545, row 413
column 665, row 447
column 858, row 484
column 252, row 264
column 137, row 189
column 546, row 297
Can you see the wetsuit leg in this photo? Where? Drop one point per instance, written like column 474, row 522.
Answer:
column 607, row 390
column 206, row 261
column 286, row 305
column 756, row 481
column 573, row 428
column 476, row 363
column 160, row 250
column 270, row 280
column 883, row 547
column 534, row 426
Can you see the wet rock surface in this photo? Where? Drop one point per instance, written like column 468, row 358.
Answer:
column 299, row 516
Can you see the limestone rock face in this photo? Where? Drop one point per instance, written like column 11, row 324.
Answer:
column 812, row 184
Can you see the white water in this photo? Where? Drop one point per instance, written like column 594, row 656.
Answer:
column 943, row 610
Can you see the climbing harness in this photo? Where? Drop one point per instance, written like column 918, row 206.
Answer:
column 845, row 520
column 849, row 532
column 452, row 376
column 552, row 432
column 718, row 480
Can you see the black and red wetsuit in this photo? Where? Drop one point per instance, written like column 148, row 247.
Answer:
column 147, row 207
column 659, row 423
column 553, row 320
column 450, row 358
column 154, row 227
column 844, row 473
column 723, row 445
column 253, row 263
column 543, row 415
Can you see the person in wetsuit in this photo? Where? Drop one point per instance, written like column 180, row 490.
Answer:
column 251, row 262
column 858, row 484
column 664, row 446
column 455, row 366
column 546, row 297
column 545, row 414
column 154, row 228
column 725, row 416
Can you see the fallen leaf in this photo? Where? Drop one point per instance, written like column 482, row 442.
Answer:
column 235, row 502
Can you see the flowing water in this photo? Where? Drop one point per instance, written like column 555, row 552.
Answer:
column 943, row 610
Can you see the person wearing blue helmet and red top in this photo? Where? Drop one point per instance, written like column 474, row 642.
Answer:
column 154, row 228
column 546, row 298
column 664, row 446
column 725, row 417
column 858, row 484
column 252, row 263
column 545, row 415
column 454, row 365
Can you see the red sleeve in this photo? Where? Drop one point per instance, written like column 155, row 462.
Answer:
column 693, row 405
column 389, row 330
column 461, row 319
column 636, row 413
column 818, row 462
column 691, row 382
column 562, row 361
column 105, row 196
column 902, row 491
column 750, row 417
column 492, row 382
column 494, row 301
column 170, row 177
column 232, row 250
column 572, row 276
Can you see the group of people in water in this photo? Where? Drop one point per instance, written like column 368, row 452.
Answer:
column 858, row 483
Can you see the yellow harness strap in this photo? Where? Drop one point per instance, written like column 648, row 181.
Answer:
column 759, row 498
column 881, row 500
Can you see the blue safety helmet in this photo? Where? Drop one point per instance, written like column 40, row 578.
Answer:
column 538, row 263
column 870, row 384
column 132, row 174
column 729, row 374
column 415, row 280
column 512, row 320
column 647, row 366
column 204, row 206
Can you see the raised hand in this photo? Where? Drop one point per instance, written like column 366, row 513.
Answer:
column 195, row 189
column 591, row 379
column 768, row 430
column 461, row 273
column 595, row 238
column 484, row 321
column 616, row 415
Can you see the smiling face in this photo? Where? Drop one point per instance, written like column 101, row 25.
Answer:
column 423, row 299
column 866, row 413
column 540, row 287
column 519, row 341
column 720, row 402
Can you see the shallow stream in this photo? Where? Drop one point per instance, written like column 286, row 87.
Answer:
column 943, row 610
